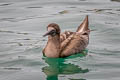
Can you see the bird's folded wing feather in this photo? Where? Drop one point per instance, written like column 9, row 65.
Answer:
column 73, row 44
column 65, row 35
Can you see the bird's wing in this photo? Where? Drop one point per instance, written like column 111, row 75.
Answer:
column 77, row 41
column 73, row 44
column 84, row 26
column 65, row 35
column 83, row 29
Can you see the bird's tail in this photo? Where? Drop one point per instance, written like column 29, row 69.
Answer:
column 84, row 26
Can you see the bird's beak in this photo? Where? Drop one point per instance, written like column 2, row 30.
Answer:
column 48, row 33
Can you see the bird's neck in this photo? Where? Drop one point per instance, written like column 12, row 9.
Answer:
column 53, row 46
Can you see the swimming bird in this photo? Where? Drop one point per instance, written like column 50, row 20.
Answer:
column 66, row 43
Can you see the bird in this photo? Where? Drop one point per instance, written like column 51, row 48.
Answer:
column 65, row 44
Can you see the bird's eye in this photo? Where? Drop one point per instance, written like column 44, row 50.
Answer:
column 53, row 32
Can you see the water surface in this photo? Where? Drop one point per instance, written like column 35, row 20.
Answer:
column 23, row 22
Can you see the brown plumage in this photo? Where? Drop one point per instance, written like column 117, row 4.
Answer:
column 67, row 43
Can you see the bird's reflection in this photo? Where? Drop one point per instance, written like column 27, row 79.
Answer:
column 58, row 66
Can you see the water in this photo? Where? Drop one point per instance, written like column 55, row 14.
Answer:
column 23, row 22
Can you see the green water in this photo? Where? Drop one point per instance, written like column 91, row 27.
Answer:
column 23, row 22
column 57, row 66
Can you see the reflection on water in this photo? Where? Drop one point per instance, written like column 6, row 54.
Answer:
column 57, row 66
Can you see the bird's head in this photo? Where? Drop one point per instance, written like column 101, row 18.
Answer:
column 52, row 30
